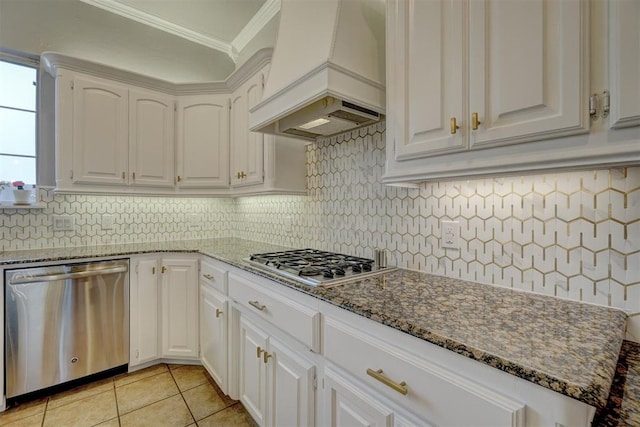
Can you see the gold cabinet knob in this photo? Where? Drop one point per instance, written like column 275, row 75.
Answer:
column 163, row 269
column 178, row 178
column 475, row 122
column 454, row 126
column 259, row 351
column 218, row 312
column 265, row 357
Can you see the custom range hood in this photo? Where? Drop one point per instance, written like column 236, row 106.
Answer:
column 328, row 69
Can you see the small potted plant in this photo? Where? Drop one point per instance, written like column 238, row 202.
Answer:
column 20, row 194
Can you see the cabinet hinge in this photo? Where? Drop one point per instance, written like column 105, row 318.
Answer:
column 606, row 103
column 262, row 80
column 175, row 106
column 71, row 84
column 138, row 354
column 315, row 382
column 137, row 266
column 71, row 174
column 229, row 103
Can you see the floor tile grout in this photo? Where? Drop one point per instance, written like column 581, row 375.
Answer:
column 227, row 403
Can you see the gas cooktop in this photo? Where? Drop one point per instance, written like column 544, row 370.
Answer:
column 316, row 268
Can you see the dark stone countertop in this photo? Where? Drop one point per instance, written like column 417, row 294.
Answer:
column 566, row 346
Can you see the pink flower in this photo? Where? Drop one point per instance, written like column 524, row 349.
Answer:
column 18, row 184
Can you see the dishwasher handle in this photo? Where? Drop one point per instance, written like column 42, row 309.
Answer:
column 18, row 280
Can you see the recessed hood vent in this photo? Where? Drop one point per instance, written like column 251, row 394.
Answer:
column 328, row 69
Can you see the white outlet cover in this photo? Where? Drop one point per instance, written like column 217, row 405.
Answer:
column 108, row 222
column 450, row 234
column 63, row 223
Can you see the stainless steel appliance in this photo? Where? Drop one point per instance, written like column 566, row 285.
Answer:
column 64, row 322
column 317, row 268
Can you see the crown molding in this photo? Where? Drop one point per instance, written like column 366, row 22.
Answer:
column 161, row 24
column 259, row 20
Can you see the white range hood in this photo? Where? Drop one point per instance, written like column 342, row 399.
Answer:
column 328, row 69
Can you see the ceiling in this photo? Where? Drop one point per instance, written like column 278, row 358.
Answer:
column 179, row 41
column 224, row 25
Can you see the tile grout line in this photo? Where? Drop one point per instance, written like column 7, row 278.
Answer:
column 182, row 397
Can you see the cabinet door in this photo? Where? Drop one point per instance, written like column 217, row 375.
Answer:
column 203, row 141
column 528, row 70
column 624, row 62
column 291, row 387
column 252, row 370
column 100, row 132
column 425, row 77
column 247, row 152
column 151, row 139
column 349, row 406
column 213, row 334
column 179, row 308
column 144, row 303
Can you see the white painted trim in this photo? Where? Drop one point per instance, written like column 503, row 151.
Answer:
column 268, row 10
column 161, row 24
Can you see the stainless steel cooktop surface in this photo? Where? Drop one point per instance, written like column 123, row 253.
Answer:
column 316, row 268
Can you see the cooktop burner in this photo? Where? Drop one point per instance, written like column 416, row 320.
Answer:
column 314, row 267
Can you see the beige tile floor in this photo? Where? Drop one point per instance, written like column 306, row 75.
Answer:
column 161, row 395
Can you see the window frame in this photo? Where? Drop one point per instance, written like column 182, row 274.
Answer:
column 32, row 61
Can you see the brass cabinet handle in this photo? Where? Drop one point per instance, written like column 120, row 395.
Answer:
column 163, row 269
column 178, row 178
column 208, row 276
column 257, row 305
column 475, row 122
column 378, row 375
column 134, row 176
column 153, row 270
column 124, row 175
column 243, row 175
column 265, row 357
column 238, row 175
column 259, row 351
column 218, row 312
column 454, row 126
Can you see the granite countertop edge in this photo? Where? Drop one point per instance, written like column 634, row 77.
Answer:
column 595, row 394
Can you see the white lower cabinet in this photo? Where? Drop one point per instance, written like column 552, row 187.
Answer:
column 213, row 334
column 275, row 331
column 276, row 384
column 179, row 307
column 163, row 308
column 144, row 302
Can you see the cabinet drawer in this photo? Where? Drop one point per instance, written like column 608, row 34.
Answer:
column 213, row 277
column 441, row 396
column 298, row 320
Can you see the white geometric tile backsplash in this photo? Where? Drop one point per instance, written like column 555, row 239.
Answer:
column 574, row 235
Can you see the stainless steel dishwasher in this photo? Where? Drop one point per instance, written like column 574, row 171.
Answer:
column 64, row 322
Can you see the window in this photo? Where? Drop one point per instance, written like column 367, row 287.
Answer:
column 18, row 94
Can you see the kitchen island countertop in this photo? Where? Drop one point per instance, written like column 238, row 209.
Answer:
column 566, row 346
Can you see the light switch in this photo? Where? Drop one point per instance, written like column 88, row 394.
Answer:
column 108, row 222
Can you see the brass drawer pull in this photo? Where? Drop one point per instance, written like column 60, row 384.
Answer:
column 259, row 351
column 378, row 375
column 208, row 276
column 218, row 312
column 265, row 357
column 475, row 122
column 454, row 126
column 257, row 305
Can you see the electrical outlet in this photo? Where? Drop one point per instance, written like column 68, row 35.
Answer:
column 63, row 223
column 450, row 234
column 195, row 221
column 108, row 222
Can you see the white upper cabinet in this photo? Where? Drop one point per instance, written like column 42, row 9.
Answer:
column 624, row 62
column 100, row 132
column 485, row 86
column 151, row 138
column 203, row 141
column 121, row 135
column 521, row 78
column 526, row 71
column 247, row 148
column 425, row 84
